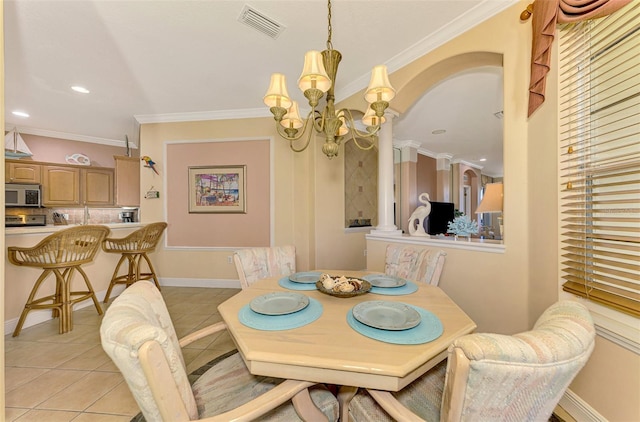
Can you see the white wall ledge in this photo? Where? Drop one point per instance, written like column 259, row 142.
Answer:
column 478, row 245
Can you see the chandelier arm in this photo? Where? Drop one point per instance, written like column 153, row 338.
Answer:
column 319, row 120
column 350, row 121
column 311, row 117
column 369, row 134
column 355, row 140
column 282, row 130
column 306, row 144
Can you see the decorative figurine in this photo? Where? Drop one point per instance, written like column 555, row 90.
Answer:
column 150, row 163
column 420, row 214
column 463, row 226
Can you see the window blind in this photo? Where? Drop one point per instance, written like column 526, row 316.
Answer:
column 599, row 161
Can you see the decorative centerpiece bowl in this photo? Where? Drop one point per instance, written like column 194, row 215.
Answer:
column 337, row 286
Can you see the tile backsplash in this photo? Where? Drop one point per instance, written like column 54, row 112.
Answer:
column 76, row 215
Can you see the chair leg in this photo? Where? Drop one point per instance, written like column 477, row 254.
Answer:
column 66, row 324
column 134, row 269
column 55, row 312
column 345, row 394
column 152, row 271
column 27, row 306
column 306, row 408
column 133, row 273
column 114, row 278
column 91, row 291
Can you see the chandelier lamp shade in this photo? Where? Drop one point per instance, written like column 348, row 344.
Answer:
column 317, row 79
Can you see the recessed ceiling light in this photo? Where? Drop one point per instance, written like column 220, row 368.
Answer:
column 80, row 89
column 438, row 131
column 482, row 159
column 20, row 113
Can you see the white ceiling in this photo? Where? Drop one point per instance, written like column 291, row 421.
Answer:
column 151, row 60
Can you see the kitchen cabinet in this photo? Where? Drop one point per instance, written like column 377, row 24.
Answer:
column 127, row 182
column 96, row 186
column 60, row 185
column 69, row 186
column 22, row 172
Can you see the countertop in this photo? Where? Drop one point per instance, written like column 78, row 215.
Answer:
column 50, row 228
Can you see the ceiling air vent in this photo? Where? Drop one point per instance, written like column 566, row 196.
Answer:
column 260, row 22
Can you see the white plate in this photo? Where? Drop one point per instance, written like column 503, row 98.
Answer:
column 305, row 277
column 386, row 315
column 383, row 280
column 279, row 303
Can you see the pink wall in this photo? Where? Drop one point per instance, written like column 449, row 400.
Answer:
column 55, row 150
column 426, row 176
column 215, row 229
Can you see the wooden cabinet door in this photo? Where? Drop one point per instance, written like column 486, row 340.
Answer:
column 127, row 181
column 97, row 186
column 60, row 185
column 23, row 173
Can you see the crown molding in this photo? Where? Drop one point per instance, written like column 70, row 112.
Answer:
column 402, row 144
column 73, row 136
column 428, row 153
column 467, row 163
column 203, row 115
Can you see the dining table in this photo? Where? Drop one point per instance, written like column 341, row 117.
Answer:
column 325, row 343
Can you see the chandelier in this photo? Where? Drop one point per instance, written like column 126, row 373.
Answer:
column 317, row 78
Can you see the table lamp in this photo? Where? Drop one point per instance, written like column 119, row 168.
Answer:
column 492, row 202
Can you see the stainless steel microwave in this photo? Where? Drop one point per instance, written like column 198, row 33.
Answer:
column 22, row 195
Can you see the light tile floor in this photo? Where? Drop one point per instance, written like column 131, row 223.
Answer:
column 67, row 377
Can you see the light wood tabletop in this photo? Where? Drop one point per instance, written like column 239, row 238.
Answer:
column 329, row 351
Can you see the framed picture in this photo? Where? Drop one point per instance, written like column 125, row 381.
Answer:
column 218, row 189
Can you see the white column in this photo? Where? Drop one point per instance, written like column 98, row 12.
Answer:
column 386, row 225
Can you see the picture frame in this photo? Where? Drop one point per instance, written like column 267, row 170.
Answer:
column 218, row 189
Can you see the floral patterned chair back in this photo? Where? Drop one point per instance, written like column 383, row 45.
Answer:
column 491, row 377
column 424, row 265
column 257, row 263
column 138, row 335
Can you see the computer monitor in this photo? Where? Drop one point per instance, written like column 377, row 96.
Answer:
column 441, row 214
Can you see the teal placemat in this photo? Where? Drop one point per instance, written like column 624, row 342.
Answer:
column 429, row 329
column 407, row 289
column 280, row 322
column 288, row 284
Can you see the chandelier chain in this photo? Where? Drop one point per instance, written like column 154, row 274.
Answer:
column 329, row 28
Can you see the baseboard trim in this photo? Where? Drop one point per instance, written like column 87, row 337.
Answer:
column 40, row 316
column 579, row 409
column 200, row 282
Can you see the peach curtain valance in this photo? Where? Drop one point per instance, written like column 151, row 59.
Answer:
column 548, row 13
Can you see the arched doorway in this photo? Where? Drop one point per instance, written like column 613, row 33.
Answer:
column 464, row 93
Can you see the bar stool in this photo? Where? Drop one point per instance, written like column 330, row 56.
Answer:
column 134, row 248
column 62, row 254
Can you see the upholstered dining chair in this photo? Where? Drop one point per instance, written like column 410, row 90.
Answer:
column 138, row 335
column 492, row 377
column 256, row 263
column 415, row 264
